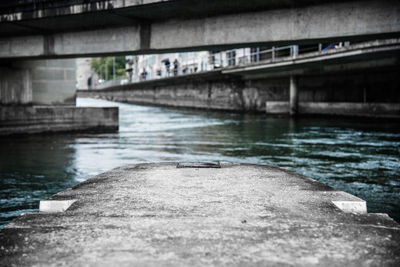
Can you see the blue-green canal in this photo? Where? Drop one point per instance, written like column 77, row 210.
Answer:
column 359, row 157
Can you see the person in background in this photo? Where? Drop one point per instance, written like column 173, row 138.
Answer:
column 167, row 66
column 143, row 75
column 176, row 66
column 89, row 83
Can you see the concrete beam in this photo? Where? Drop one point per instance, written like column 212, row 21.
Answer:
column 330, row 21
column 373, row 54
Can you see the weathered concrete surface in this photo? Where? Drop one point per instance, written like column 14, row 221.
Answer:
column 370, row 92
column 378, row 110
column 357, row 56
column 15, row 86
column 363, row 73
column 38, row 119
column 146, row 9
column 160, row 26
column 41, row 82
column 240, row 215
column 53, row 81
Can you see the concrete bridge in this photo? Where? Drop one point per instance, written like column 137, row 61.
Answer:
column 55, row 29
column 355, row 80
column 33, row 30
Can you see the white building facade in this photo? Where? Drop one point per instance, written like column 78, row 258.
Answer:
column 149, row 67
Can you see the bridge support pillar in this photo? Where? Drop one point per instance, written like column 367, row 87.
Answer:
column 15, row 86
column 39, row 96
column 293, row 96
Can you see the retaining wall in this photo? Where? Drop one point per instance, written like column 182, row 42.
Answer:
column 373, row 94
column 37, row 119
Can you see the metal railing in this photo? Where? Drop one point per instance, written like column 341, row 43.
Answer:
column 218, row 61
column 7, row 7
column 266, row 55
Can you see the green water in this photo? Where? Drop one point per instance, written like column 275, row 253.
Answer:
column 359, row 157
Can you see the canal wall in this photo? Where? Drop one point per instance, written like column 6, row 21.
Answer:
column 37, row 119
column 375, row 93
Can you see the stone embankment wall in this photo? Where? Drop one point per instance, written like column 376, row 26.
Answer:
column 372, row 94
column 218, row 92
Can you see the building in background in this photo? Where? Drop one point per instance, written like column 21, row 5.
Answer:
column 149, row 67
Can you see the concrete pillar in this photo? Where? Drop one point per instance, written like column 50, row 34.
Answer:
column 53, row 81
column 84, row 73
column 15, row 86
column 294, row 96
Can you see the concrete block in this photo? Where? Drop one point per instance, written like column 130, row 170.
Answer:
column 351, row 206
column 38, row 119
column 55, row 205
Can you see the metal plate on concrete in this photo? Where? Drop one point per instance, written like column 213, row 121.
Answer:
column 199, row 165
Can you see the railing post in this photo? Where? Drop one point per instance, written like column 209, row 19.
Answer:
column 295, row 52
column 273, row 53
column 319, row 47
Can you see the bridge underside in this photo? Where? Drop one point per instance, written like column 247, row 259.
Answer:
column 153, row 26
column 175, row 26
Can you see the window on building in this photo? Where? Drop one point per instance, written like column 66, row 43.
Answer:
column 265, row 53
column 231, row 57
column 215, row 59
column 254, row 54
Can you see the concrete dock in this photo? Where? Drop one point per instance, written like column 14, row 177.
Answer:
column 224, row 214
column 17, row 120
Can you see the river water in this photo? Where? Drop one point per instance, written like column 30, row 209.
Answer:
column 359, row 157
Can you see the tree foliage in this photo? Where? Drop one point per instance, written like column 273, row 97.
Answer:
column 103, row 66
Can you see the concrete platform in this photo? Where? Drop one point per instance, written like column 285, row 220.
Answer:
column 161, row 215
column 16, row 120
